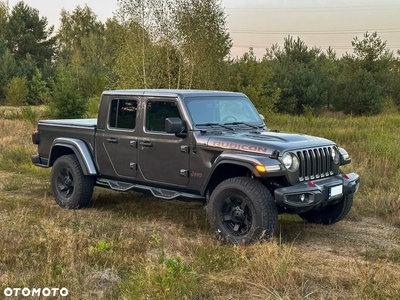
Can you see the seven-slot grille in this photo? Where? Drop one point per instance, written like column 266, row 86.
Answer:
column 315, row 163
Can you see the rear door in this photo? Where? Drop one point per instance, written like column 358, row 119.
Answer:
column 120, row 138
column 163, row 157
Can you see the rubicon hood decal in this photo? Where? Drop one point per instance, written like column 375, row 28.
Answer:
column 235, row 146
column 266, row 142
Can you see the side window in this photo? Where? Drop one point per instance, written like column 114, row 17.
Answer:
column 123, row 114
column 157, row 112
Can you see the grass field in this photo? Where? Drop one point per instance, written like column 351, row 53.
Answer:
column 131, row 246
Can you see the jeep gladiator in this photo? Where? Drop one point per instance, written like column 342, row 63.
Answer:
column 208, row 146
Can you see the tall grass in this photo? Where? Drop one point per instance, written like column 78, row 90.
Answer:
column 131, row 246
column 16, row 147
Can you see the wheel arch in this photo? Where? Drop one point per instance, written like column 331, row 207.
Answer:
column 226, row 169
column 65, row 146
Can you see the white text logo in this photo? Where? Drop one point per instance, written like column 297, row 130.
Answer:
column 27, row 292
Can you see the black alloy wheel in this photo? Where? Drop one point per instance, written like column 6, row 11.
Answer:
column 71, row 188
column 242, row 210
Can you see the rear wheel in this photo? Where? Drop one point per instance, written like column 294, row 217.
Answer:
column 329, row 214
column 71, row 188
column 242, row 210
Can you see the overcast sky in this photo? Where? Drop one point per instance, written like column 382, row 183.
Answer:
column 261, row 23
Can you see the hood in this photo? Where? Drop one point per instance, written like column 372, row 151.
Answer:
column 266, row 142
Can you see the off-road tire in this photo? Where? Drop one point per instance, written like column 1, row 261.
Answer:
column 329, row 214
column 242, row 210
column 71, row 188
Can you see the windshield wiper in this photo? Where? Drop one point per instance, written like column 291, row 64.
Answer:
column 243, row 123
column 216, row 124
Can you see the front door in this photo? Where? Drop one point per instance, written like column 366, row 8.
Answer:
column 163, row 157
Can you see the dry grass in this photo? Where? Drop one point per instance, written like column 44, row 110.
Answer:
column 114, row 248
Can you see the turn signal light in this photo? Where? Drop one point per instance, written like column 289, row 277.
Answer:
column 260, row 168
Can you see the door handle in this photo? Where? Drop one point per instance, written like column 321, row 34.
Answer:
column 112, row 140
column 146, row 144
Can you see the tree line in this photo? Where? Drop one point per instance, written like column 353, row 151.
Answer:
column 182, row 44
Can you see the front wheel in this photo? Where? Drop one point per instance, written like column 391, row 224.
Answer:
column 242, row 210
column 329, row 214
column 71, row 188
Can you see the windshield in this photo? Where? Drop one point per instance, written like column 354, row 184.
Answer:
column 222, row 111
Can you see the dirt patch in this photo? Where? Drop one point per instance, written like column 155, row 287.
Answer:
column 363, row 232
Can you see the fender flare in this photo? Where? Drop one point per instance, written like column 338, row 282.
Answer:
column 239, row 159
column 81, row 151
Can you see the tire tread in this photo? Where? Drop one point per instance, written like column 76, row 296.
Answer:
column 262, row 200
column 83, row 184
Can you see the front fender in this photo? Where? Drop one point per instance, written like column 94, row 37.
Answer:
column 249, row 161
column 79, row 148
column 238, row 159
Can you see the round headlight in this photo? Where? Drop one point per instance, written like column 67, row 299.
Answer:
column 335, row 155
column 295, row 164
column 287, row 160
column 290, row 161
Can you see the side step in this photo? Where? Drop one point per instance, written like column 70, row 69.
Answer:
column 157, row 192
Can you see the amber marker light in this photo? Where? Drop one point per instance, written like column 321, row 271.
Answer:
column 261, row 168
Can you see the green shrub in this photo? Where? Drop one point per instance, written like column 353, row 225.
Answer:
column 92, row 107
column 38, row 91
column 363, row 95
column 16, row 91
column 67, row 101
column 30, row 115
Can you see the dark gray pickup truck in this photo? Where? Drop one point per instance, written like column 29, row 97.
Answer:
column 207, row 146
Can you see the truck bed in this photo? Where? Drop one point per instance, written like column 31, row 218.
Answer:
column 83, row 129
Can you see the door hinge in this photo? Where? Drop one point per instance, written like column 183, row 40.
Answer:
column 184, row 173
column 133, row 166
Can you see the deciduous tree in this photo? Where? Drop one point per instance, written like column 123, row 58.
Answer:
column 253, row 77
column 81, row 43
column 184, row 43
column 204, row 42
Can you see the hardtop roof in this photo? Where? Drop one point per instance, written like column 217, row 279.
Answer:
column 170, row 93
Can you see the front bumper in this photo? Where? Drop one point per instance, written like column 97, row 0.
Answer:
column 321, row 192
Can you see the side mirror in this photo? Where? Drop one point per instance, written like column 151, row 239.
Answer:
column 175, row 125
